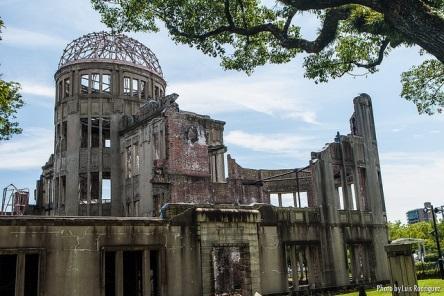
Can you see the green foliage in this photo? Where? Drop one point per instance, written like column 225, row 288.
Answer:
column 244, row 34
column 423, row 85
column 10, row 102
column 421, row 230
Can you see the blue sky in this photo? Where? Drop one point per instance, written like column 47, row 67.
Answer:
column 274, row 117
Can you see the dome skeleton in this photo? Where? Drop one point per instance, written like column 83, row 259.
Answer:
column 105, row 46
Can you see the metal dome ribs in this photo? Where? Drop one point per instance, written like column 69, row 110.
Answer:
column 110, row 47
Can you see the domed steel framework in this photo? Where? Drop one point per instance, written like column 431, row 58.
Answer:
column 110, row 47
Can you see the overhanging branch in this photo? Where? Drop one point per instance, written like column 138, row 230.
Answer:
column 325, row 37
column 378, row 61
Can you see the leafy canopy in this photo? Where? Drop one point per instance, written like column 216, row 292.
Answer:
column 10, row 102
column 354, row 37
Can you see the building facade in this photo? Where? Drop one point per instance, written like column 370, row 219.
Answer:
column 135, row 200
column 418, row 215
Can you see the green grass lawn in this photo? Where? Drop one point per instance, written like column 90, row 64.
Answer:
column 421, row 283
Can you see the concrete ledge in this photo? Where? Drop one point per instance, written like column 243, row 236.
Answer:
column 79, row 221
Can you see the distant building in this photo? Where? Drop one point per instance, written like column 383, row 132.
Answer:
column 418, row 215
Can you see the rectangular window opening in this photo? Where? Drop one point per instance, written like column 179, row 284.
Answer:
column 60, row 90
column 129, row 162
column 362, row 188
column 274, row 199
column 63, row 184
column 84, row 83
column 142, row 89
column 126, row 86
column 31, row 275
column 95, row 128
column 106, row 133
column 133, row 273
column 66, row 87
column 287, row 200
column 231, row 271
column 84, row 133
column 302, row 199
column 135, row 87
column 349, row 261
column 353, row 195
column 94, row 179
column 95, row 83
column 8, row 264
column 341, row 198
column 302, row 266
column 106, row 187
column 83, row 188
column 106, row 83
column 156, row 91
column 136, row 159
column 64, row 135
column 155, row 272
column 110, row 273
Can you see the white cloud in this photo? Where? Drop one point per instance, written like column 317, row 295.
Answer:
column 410, row 179
column 20, row 37
column 27, row 151
column 270, row 143
column 37, row 89
column 276, row 98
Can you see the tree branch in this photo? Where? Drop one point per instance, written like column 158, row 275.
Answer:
column 325, row 37
column 378, row 61
column 325, row 4
column 288, row 21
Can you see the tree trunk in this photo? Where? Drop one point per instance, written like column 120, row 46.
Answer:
column 417, row 23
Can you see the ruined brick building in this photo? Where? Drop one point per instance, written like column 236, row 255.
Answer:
column 135, row 201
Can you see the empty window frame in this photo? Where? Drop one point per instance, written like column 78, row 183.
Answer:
column 8, row 264
column 363, row 188
column 106, row 133
column 297, row 265
column 352, row 197
column 349, row 256
column 63, row 190
column 126, row 86
column 135, row 87
column 83, row 188
column 231, row 270
column 95, row 187
column 64, row 136
column 84, row 84
column 16, row 269
column 106, row 187
column 138, row 271
column 156, row 91
column 60, row 90
column 287, row 200
column 302, row 199
column 106, row 83
column 142, row 89
column 95, row 132
column 136, row 159
column 84, row 133
column 274, row 199
column 95, row 83
column 129, row 162
column 66, row 87
column 340, row 195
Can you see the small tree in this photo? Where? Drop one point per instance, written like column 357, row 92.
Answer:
column 354, row 34
column 10, row 102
